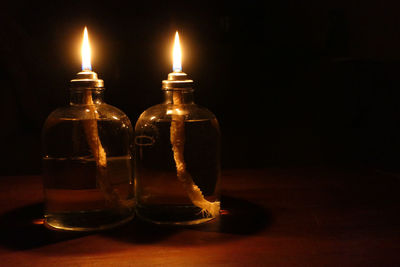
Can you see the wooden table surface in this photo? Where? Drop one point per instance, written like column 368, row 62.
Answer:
column 272, row 217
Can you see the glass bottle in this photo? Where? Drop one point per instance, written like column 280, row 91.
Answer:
column 87, row 161
column 177, row 158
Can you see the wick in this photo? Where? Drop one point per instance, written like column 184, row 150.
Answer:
column 177, row 136
column 92, row 136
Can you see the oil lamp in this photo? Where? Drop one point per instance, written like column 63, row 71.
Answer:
column 177, row 155
column 87, row 161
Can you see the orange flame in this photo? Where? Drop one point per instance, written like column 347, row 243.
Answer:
column 86, row 52
column 177, row 55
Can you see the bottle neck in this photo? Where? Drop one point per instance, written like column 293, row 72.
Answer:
column 86, row 96
column 178, row 97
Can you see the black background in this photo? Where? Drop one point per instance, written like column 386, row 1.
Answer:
column 291, row 82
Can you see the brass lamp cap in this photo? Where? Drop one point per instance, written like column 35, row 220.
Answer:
column 177, row 80
column 87, row 79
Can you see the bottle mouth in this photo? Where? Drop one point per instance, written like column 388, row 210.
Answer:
column 177, row 81
column 87, row 79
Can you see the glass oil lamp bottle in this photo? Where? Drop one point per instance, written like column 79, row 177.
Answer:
column 177, row 156
column 87, row 161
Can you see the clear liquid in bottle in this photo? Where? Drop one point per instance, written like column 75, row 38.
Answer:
column 161, row 196
column 80, row 195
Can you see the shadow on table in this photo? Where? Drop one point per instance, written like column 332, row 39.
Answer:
column 23, row 229
column 238, row 218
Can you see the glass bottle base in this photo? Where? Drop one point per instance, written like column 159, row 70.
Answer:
column 85, row 221
column 172, row 214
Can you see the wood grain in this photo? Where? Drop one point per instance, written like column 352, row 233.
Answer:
column 271, row 217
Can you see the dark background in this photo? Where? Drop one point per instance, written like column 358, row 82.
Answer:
column 291, row 82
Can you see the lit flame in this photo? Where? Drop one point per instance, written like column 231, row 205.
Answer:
column 177, row 55
column 86, row 53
